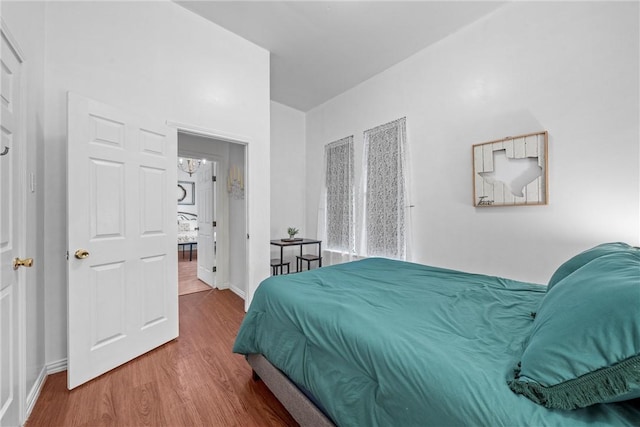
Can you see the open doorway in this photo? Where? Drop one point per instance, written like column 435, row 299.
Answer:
column 194, row 237
column 218, row 214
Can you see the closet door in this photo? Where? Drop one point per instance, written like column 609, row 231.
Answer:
column 12, row 235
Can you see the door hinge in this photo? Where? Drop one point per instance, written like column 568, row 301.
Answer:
column 214, row 269
column 214, row 223
column 214, row 179
column 67, row 255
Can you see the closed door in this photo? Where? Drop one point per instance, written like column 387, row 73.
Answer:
column 12, row 231
column 123, row 278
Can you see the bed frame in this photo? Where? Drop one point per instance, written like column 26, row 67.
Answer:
column 187, row 216
column 301, row 408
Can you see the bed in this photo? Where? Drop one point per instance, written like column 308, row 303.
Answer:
column 187, row 232
column 187, row 227
column 379, row 342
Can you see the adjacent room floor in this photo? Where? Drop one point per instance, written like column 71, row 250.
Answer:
column 194, row 380
column 188, row 282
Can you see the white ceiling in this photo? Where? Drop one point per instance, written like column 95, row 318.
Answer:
column 319, row 49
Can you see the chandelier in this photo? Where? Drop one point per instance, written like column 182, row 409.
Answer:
column 190, row 166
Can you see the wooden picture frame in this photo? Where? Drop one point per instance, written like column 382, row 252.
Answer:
column 186, row 193
column 511, row 171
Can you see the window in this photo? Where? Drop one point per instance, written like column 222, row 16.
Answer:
column 385, row 191
column 340, row 234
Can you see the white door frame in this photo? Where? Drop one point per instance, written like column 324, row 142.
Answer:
column 234, row 139
column 19, row 198
column 221, row 213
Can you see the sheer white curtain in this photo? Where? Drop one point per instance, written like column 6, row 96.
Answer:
column 385, row 213
column 337, row 201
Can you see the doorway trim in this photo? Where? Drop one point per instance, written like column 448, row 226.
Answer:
column 233, row 139
column 209, row 133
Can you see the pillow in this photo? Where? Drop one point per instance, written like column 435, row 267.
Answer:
column 184, row 225
column 584, row 347
column 583, row 258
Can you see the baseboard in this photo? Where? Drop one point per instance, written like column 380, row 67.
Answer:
column 34, row 393
column 238, row 291
column 57, row 366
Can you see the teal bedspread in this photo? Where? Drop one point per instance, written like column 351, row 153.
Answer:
column 389, row 343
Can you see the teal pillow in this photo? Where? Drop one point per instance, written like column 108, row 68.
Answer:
column 584, row 347
column 583, row 258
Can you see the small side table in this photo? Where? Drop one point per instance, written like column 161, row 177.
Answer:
column 282, row 243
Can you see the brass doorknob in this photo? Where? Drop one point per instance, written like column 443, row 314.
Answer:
column 82, row 253
column 17, row 262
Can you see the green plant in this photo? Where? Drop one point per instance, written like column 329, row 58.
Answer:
column 292, row 231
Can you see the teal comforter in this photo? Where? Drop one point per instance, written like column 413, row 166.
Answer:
column 389, row 343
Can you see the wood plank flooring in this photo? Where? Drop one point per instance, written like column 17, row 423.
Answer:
column 194, row 380
column 188, row 282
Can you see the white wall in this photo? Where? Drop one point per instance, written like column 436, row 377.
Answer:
column 25, row 21
column 288, row 190
column 162, row 60
column 237, row 224
column 568, row 68
column 184, row 176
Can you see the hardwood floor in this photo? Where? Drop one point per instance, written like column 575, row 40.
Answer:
column 194, row 380
column 188, row 282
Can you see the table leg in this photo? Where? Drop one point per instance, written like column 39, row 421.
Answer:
column 281, row 257
column 300, row 259
column 320, row 254
column 190, row 251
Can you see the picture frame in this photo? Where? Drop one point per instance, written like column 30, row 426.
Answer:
column 511, row 171
column 186, row 193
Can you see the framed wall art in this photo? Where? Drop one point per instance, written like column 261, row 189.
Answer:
column 186, row 193
column 511, row 171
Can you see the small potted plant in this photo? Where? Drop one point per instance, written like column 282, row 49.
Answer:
column 292, row 232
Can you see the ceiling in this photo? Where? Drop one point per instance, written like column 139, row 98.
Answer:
column 319, row 49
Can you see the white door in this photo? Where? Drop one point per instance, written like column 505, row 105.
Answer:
column 123, row 278
column 206, row 228
column 12, row 229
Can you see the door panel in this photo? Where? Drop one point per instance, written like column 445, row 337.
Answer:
column 11, row 232
column 122, row 298
column 152, row 201
column 106, row 178
column 153, row 311
column 108, row 322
